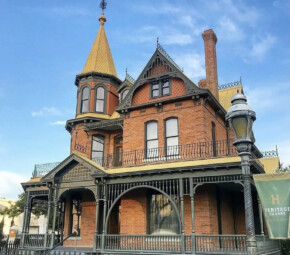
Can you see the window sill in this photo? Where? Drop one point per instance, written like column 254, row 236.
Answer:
column 74, row 238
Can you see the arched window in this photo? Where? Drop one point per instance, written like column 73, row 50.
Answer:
column 151, row 139
column 213, row 133
column 85, row 102
column 98, row 146
column 171, row 137
column 125, row 93
column 100, row 99
column 162, row 218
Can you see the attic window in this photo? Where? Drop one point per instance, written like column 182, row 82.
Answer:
column 125, row 94
column 160, row 88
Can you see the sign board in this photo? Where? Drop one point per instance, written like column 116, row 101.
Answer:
column 274, row 193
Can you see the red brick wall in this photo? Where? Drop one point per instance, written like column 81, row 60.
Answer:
column 133, row 210
column 240, row 214
column 227, row 212
column 142, row 95
column 194, row 124
column 205, row 210
column 87, row 222
column 79, row 136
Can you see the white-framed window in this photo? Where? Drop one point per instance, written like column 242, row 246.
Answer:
column 151, row 139
column 171, row 137
column 100, row 99
column 98, row 148
column 85, row 99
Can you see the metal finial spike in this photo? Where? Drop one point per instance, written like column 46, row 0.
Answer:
column 103, row 5
column 157, row 41
column 126, row 71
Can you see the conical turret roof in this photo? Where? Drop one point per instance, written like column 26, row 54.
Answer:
column 100, row 58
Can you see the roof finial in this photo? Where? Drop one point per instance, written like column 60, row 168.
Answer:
column 126, row 71
column 157, row 40
column 103, row 6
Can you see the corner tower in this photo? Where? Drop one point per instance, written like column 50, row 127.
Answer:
column 97, row 89
column 98, row 82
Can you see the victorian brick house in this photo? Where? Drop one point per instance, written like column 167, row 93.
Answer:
column 152, row 168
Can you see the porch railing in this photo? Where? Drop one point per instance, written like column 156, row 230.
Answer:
column 200, row 244
column 215, row 244
column 220, row 243
column 266, row 245
column 199, row 150
column 36, row 240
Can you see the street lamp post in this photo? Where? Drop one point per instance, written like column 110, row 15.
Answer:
column 240, row 117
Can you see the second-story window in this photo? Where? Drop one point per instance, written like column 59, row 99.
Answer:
column 151, row 137
column 100, row 99
column 85, row 102
column 160, row 88
column 171, row 137
column 98, row 147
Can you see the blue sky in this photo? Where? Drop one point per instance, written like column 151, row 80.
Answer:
column 44, row 44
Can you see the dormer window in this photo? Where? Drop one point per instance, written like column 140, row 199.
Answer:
column 100, row 99
column 85, row 102
column 160, row 88
column 125, row 93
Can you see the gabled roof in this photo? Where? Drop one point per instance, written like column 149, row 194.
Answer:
column 175, row 71
column 75, row 158
column 100, row 58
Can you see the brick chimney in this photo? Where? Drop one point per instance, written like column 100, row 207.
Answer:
column 211, row 81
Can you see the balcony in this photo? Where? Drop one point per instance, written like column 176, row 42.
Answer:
column 201, row 150
column 185, row 152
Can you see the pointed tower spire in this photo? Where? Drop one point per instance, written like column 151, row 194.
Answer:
column 100, row 58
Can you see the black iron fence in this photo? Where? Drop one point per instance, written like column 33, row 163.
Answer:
column 9, row 247
column 199, row 150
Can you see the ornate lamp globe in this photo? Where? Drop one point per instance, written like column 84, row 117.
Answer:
column 240, row 117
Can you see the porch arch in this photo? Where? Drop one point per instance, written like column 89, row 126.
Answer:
column 146, row 187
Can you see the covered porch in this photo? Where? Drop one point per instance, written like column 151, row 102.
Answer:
column 188, row 195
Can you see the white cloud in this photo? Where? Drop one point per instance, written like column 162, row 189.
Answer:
column 10, row 184
column 59, row 122
column 237, row 10
column 260, row 46
column 229, row 30
column 47, row 111
column 192, row 63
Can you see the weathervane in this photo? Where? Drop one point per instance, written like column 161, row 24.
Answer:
column 103, row 5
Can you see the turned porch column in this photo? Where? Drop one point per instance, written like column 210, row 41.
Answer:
column 55, row 200
column 181, row 194
column 97, row 217
column 48, row 216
